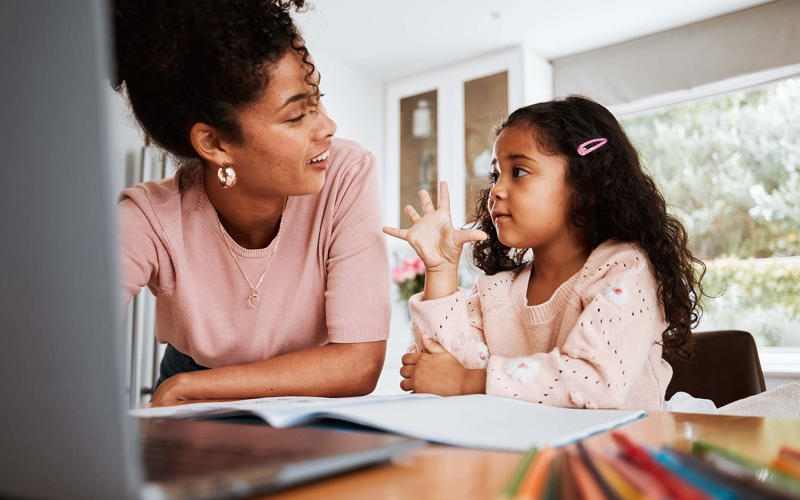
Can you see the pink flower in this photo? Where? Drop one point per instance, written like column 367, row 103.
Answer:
column 398, row 275
column 617, row 293
column 521, row 369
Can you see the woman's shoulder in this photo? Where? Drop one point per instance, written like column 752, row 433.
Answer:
column 152, row 193
column 350, row 157
column 159, row 202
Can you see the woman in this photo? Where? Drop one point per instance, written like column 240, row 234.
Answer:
column 264, row 251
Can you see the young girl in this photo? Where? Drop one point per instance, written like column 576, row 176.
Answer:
column 610, row 287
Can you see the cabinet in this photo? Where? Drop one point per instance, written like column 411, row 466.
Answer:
column 440, row 127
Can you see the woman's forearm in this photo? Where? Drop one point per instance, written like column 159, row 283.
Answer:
column 332, row 370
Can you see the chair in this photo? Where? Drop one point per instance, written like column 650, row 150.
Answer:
column 724, row 368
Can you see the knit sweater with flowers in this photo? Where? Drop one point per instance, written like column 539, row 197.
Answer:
column 593, row 344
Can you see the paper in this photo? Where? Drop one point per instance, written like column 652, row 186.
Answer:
column 474, row 421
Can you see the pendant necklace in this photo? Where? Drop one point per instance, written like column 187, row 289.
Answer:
column 254, row 299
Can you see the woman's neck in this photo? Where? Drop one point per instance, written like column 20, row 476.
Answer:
column 252, row 223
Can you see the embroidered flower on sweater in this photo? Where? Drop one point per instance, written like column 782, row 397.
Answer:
column 483, row 354
column 521, row 369
column 617, row 292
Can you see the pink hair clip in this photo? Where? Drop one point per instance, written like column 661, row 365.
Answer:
column 590, row 145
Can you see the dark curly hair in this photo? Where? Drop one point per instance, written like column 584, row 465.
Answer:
column 612, row 198
column 188, row 61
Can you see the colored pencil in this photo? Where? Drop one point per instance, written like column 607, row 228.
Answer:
column 608, row 491
column 746, row 488
column 676, row 487
column 586, row 485
column 513, row 483
column 532, row 484
column 744, row 467
column 688, row 473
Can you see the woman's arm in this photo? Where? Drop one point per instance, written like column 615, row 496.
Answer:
column 332, row 370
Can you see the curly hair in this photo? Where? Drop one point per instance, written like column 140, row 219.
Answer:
column 187, row 61
column 612, row 197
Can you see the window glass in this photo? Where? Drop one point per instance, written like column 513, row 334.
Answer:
column 729, row 167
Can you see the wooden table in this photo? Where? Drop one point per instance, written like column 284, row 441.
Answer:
column 442, row 472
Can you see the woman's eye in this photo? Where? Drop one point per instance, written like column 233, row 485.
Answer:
column 518, row 172
column 493, row 177
column 297, row 118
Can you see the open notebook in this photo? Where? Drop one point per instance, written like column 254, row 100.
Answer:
column 475, row 421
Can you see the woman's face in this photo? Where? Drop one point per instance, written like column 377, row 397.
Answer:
column 286, row 136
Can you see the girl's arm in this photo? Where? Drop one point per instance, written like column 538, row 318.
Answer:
column 603, row 355
column 437, row 242
column 455, row 322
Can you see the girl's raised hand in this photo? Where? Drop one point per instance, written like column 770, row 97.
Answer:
column 432, row 235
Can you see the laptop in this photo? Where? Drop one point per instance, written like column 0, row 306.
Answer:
column 64, row 432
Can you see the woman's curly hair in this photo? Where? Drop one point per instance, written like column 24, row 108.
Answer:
column 188, row 61
column 612, row 198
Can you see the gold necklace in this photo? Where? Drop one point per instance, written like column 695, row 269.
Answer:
column 254, row 299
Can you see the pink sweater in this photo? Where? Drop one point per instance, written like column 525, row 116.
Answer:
column 328, row 282
column 593, row 344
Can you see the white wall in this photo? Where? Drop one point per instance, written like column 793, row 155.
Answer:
column 355, row 102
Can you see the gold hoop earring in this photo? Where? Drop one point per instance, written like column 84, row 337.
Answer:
column 226, row 176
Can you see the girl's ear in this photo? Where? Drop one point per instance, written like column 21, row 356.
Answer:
column 210, row 146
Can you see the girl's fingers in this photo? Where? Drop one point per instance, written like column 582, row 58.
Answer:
column 466, row 235
column 427, row 202
column 444, row 196
column 410, row 358
column 412, row 214
column 396, row 232
column 432, row 346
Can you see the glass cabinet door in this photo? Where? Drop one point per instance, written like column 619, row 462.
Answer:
column 418, row 163
column 485, row 106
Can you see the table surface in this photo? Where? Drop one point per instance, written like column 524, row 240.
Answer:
column 443, row 472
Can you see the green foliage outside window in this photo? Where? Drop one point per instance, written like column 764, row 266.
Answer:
column 729, row 167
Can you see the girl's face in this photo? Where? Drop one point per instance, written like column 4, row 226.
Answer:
column 286, row 136
column 529, row 198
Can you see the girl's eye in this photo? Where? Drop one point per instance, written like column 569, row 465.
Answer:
column 493, row 177
column 518, row 172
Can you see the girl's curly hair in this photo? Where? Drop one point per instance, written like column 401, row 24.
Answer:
column 188, row 61
column 612, row 198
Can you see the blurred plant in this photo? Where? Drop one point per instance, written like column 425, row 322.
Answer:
column 409, row 276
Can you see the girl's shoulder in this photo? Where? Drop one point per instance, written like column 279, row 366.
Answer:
column 612, row 252
column 613, row 259
column 501, row 286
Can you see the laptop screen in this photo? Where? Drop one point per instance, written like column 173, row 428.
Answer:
column 61, row 428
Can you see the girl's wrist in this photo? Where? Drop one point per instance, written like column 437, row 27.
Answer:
column 442, row 268
column 474, row 381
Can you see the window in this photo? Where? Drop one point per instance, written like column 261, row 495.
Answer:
column 729, row 167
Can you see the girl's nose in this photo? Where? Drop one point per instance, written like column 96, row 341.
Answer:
column 497, row 191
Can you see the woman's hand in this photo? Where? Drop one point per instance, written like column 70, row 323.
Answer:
column 432, row 235
column 439, row 372
column 171, row 390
